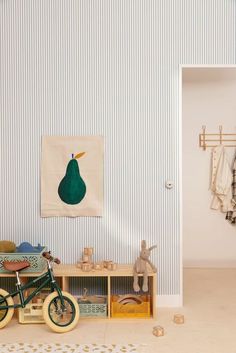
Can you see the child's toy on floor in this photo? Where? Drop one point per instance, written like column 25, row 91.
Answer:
column 158, row 331
column 140, row 266
column 178, row 319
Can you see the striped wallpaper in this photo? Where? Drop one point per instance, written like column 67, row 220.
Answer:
column 111, row 68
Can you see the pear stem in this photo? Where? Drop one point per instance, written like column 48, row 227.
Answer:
column 72, row 155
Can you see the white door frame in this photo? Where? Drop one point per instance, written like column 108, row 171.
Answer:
column 181, row 68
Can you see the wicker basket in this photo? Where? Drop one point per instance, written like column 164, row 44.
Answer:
column 36, row 260
column 130, row 310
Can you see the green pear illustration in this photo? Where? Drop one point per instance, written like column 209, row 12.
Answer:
column 72, row 188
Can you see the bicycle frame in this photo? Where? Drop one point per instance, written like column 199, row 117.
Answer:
column 49, row 280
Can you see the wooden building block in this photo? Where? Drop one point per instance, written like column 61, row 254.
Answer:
column 86, row 267
column 112, row 266
column 88, row 251
column 178, row 319
column 86, row 258
column 158, row 331
column 106, row 263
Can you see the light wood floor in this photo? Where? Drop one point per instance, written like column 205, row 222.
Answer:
column 210, row 327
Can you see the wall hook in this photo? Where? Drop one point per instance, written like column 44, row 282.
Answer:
column 204, row 137
column 220, row 129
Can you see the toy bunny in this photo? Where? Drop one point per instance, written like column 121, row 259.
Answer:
column 140, row 266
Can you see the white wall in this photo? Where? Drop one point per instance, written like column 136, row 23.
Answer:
column 109, row 67
column 209, row 98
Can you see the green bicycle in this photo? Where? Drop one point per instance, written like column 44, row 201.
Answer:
column 60, row 309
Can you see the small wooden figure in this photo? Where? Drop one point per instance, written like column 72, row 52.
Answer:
column 179, row 319
column 88, row 251
column 140, row 266
column 158, row 331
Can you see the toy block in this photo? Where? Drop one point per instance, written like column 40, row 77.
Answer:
column 178, row 319
column 158, row 331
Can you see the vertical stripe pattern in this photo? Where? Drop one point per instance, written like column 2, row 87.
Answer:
column 103, row 67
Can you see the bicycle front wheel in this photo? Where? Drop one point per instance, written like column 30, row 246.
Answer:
column 5, row 314
column 61, row 318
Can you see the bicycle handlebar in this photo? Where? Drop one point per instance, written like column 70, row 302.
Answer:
column 49, row 257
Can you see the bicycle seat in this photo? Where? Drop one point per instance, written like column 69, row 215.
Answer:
column 15, row 266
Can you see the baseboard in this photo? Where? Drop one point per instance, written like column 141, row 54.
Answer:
column 169, row 301
column 210, row 264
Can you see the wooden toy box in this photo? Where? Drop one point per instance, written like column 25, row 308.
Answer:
column 31, row 314
column 130, row 310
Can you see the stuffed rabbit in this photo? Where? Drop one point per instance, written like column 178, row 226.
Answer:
column 140, row 266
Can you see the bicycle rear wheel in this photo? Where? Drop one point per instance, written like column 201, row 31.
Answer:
column 5, row 314
column 58, row 318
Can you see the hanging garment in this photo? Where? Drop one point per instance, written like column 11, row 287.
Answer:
column 221, row 180
column 231, row 215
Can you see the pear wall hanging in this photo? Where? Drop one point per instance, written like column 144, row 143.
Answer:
column 72, row 188
column 72, row 176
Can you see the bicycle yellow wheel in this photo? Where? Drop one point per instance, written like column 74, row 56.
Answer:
column 5, row 314
column 58, row 318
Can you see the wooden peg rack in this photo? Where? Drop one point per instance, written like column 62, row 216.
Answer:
column 213, row 140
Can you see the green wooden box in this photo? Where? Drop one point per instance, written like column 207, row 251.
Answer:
column 93, row 309
column 36, row 260
column 98, row 310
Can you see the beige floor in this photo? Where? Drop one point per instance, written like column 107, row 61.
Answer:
column 209, row 309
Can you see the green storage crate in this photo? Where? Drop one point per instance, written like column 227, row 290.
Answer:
column 36, row 260
column 93, row 309
column 97, row 310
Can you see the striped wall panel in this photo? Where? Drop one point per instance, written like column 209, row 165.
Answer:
column 107, row 67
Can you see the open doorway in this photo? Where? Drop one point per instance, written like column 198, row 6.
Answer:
column 208, row 99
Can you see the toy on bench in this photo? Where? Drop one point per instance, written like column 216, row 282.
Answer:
column 140, row 266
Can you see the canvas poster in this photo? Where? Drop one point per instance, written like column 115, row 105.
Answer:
column 72, row 176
